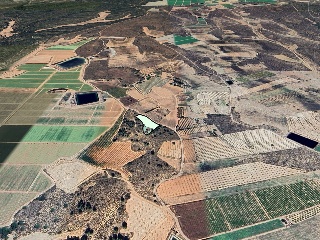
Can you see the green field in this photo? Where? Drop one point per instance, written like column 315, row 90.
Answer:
column 184, row 2
column 43, row 133
column 31, row 67
column 241, row 210
column 230, row 6
column 279, row 200
column 73, row 46
column 251, row 231
column 86, row 87
column 9, row 97
column 215, row 217
column 17, row 178
column 179, row 40
column 73, row 86
column 42, row 183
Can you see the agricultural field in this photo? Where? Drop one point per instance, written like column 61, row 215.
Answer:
column 251, row 231
column 146, row 86
column 73, row 46
column 171, row 153
column 156, row 224
column 222, row 82
column 115, row 156
column 305, row 124
column 184, row 2
column 180, row 40
column 9, row 181
column 247, row 208
column 240, row 144
column 195, row 186
column 70, row 134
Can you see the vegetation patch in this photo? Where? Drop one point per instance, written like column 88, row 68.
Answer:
column 251, row 231
column 43, row 133
column 179, row 40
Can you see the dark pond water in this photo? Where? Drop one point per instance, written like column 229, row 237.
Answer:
column 86, row 97
column 302, row 140
column 74, row 62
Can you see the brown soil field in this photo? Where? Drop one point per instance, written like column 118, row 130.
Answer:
column 171, row 120
column 45, row 59
column 170, row 152
column 192, row 219
column 164, row 97
column 135, row 94
column 56, row 55
column 157, row 114
column 126, row 101
column 171, row 190
column 144, row 105
column 112, row 111
column 91, row 48
column 147, row 220
column 116, row 155
column 188, row 151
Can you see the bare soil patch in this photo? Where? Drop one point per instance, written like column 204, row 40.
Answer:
column 147, row 220
column 8, row 31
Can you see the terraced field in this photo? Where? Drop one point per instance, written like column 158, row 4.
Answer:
column 240, row 144
column 242, row 209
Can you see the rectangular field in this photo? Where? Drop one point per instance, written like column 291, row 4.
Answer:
column 251, row 231
column 279, row 200
column 73, row 46
column 17, row 178
column 31, row 67
column 241, row 210
column 44, row 133
column 37, row 153
column 179, row 40
column 217, row 222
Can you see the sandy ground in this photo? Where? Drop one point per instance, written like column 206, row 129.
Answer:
column 286, row 58
column 101, row 18
column 147, row 220
column 69, row 174
column 8, row 31
column 152, row 33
